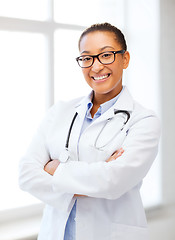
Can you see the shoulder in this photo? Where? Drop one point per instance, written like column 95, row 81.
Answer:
column 61, row 106
column 141, row 116
column 60, row 110
column 136, row 109
column 145, row 119
column 140, row 111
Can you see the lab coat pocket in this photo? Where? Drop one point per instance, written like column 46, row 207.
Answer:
column 128, row 232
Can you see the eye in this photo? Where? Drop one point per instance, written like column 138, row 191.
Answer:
column 106, row 55
column 85, row 58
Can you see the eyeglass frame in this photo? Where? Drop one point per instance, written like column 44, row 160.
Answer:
column 97, row 56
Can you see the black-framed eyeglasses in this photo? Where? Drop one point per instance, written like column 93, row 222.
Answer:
column 105, row 58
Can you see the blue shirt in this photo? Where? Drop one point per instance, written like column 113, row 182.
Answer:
column 70, row 225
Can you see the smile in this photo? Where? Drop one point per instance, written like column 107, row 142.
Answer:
column 99, row 78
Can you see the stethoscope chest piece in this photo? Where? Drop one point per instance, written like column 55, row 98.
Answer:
column 64, row 156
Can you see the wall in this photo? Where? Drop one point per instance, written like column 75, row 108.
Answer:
column 162, row 221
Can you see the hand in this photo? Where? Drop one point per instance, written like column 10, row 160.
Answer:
column 78, row 195
column 115, row 155
column 51, row 166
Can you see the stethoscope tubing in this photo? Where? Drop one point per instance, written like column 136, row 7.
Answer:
column 123, row 111
column 75, row 116
column 64, row 155
column 108, row 120
column 70, row 130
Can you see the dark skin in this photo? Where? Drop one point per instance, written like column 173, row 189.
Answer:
column 105, row 80
column 52, row 165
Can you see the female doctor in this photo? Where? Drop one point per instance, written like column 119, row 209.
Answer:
column 89, row 156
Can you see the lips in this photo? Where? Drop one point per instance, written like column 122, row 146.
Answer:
column 101, row 77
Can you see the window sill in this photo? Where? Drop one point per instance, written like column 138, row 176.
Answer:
column 21, row 224
column 160, row 212
column 24, row 223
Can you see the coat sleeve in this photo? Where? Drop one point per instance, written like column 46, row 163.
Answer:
column 113, row 179
column 32, row 177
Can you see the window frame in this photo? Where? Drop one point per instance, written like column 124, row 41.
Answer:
column 47, row 28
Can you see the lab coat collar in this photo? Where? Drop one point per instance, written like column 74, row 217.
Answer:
column 81, row 107
column 125, row 102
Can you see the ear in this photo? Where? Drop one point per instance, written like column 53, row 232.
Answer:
column 126, row 58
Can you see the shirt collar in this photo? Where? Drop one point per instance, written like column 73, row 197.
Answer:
column 103, row 107
column 125, row 102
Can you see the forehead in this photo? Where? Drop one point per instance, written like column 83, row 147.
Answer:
column 93, row 42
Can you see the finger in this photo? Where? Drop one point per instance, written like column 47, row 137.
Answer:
column 118, row 153
column 111, row 158
column 115, row 155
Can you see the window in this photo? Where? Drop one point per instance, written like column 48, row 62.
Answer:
column 38, row 41
column 65, row 56
column 22, row 100
column 33, row 9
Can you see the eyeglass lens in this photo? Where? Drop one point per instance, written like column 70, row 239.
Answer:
column 104, row 58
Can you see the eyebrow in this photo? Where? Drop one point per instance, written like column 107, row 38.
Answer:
column 101, row 49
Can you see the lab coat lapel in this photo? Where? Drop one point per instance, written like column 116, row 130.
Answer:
column 80, row 108
column 125, row 102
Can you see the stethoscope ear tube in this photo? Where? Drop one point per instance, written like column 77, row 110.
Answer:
column 101, row 146
column 123, row 111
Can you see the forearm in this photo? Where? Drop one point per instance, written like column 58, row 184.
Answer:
column 52, row 165
column 113, row 157
column 37, row 182
column 33, row 178
column 112, row 179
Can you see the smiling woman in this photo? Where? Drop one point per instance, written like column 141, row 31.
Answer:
column 94, row 177
column 38, row 67
column 103, row 76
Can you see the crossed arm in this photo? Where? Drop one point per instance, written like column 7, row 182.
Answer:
column 109, row 180
column 52, row 165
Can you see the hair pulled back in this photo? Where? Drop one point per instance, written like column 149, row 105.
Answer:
column 106, row 27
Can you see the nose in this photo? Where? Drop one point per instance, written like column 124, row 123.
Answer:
column 97, row 66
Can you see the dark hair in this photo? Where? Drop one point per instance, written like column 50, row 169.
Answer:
column 106, row 27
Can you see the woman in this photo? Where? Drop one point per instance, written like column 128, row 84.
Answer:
column 89, row 156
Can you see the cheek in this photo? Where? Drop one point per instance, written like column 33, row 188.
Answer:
column 86, row 74
column 117, row 69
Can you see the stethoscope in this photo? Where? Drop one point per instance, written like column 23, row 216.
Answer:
column 64, row 156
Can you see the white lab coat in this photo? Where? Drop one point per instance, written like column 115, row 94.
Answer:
column 113, row 208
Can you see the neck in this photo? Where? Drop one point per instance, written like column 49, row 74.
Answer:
column 99, row 99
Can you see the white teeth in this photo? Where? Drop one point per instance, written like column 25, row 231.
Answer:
column 100, row 78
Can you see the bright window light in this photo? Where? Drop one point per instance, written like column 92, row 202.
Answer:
column 22, row 104
column 89, row 12
column 26, row 9
column 142, row 76
column 69, row 81
column 37, row 68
